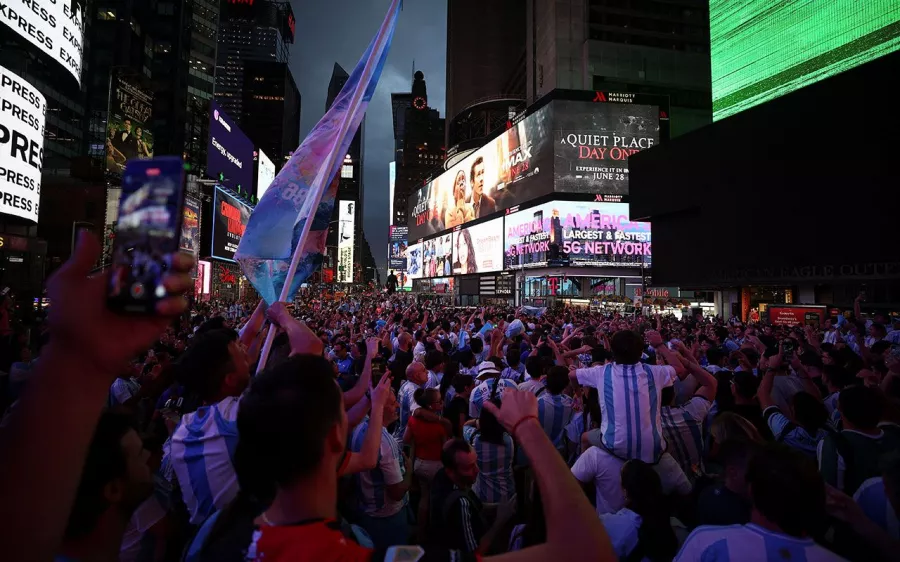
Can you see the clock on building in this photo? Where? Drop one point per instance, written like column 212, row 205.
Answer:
column 419, row 103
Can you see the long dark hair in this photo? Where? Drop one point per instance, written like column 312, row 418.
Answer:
column 471, row 265
column 645, row 497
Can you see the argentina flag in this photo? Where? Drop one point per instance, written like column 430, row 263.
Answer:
column 290, row 223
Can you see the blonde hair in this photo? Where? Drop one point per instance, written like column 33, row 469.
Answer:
column 728, row 426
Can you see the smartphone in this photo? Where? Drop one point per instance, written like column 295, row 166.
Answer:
column 151, row 210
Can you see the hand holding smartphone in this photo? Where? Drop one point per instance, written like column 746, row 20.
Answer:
column 151, row 210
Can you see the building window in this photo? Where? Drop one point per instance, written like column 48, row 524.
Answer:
column 347, row 171
column 106, row 14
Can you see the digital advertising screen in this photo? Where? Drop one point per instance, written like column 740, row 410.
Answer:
column 190, row 230
column 230, row 152
column 22, row 113
column 509, row 170
column 346, row 240
column 56, row 27
column 478, row 248
column 230, row 217
column 763, row 49
column 594, row 140
column 404, row 281
column 575, row 233
column 397, row 243
column 265, row 174
column 436, row 256
column 203, row 279
column 128, row 133
column 414, row 261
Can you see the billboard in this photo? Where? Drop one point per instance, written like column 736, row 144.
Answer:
column 202, row 281
column 511, row 169
column 761, row 49
column 190, row 229
column 230, row 152
column 594, row 140
column 414, row 261
column 437, row 255
column 575, row 233
column 230, row 217
column 478, row 248
column 397, row 248
column 127, row 132
column 346, row 240
column 53, row 26
column 404, row 281
column 22, row 113
column 265, row 174
column 392, row 183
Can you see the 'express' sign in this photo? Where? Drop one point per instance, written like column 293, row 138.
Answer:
column 53, row 26
column 22, row 113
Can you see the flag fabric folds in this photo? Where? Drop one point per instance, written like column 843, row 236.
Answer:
column 304, row 190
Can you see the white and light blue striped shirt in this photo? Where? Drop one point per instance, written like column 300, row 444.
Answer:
column 630, row 398
column 683, row 430
column 371, row 485
column 749, row 543
column 495, row 482
column 407, row 406
column 873, row 500
column 201, row 454
column 555, row 413
column 482, row 393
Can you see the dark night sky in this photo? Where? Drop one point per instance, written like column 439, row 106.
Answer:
column 332, row 31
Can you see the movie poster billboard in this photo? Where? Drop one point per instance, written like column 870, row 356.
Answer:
column 190, row 230
column 130, row 113
column 437, row 255
column 575, row 233
column 414, row 261
column 594, row 140
column 478, row 248
column 513, row 168
column 230, row 217
column 397, row 248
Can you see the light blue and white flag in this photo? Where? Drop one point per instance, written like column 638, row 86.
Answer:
column 300, row 192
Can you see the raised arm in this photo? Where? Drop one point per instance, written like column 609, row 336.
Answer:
column 672, row 359
column 356, row 393
column 367, row 457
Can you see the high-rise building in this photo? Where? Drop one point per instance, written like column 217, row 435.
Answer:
column 485, row 66
column 651, row 47
column 271, row 108
column 259, row 31
column 418, row 143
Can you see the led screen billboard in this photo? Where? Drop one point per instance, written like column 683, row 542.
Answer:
column 230, row 152
column 397, row 248
column 436, row 256
column 478, row 248
column 511, row 169
column 762, row 49
column 190, row 230
column 230, row 217
column 574, row 233
column 54, row 26
column 594, row 140
column 346, row 240
column 128, row 134
column 414, row 261
column 22, row 113
column 265, row 174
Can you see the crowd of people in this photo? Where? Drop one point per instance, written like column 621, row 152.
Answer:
column 382, row 427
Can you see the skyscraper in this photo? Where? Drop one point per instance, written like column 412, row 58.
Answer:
column 485, row 66
column 418, row 143
column 270, row 108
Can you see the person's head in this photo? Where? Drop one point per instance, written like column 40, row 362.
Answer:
column 557, row 380
column 728, row 426
column 534, row 366
column 719, row 334
column 809, row 412
column 404, row 341
column 416, row 373
column 734, row 455
column 716, row 356
column 476, row 345
column 340, row 350
column 138, row 132
column 429, row 398
column 460, row 463
column 463, row 385
column 115, row 479
column 465, row 252
column 434, row 361
column 643, row 492
column 391, row 409
column 491, row 429
column 215, row 366
column 786, row 489
column 744, row 386
column 877, row 330
column 292, row 425
column 860, row 408
column 127, row 124
column 459, row 187
column 513, row 356
column 627, row 347
column 477, row 177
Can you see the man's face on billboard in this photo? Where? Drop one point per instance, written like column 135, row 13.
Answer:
column 478, row 179
column 127, row 124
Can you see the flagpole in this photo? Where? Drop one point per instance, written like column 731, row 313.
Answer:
column 319, row 181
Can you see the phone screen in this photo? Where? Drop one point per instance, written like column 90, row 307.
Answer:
column 151, row 209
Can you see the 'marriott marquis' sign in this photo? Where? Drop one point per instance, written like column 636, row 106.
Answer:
column 52, row 26
column 22, row 113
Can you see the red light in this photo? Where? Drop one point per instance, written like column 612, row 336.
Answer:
column 153, row 172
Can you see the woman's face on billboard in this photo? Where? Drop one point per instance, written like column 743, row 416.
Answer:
column 459, row 187
column 462, row 251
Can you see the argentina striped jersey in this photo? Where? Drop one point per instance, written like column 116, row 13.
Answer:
column 371, row 485
column 495, row 481
column 483, row 391
column 554, row 413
